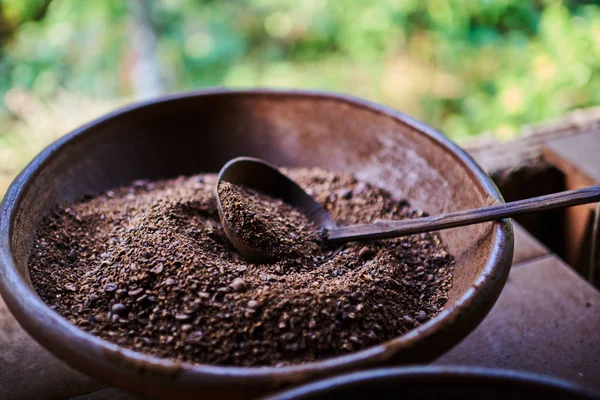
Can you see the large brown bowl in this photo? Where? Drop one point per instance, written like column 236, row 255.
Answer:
column 200, row 131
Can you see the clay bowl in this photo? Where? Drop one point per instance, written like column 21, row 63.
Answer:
column 200, row 131
column 448, row 382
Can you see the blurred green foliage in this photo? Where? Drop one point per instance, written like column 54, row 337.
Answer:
column 464, row 66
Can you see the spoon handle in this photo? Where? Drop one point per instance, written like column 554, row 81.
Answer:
column 391, row 229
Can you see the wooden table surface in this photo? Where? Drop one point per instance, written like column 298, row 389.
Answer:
column 547, row 320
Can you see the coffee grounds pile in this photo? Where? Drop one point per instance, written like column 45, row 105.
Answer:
column 149, row 267
column 270, row 226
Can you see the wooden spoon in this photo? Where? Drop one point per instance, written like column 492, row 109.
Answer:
column 266, row 178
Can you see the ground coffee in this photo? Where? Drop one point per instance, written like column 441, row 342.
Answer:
column 149, row 267
column 270, row 226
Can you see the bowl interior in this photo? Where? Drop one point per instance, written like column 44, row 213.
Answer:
column 191, row 135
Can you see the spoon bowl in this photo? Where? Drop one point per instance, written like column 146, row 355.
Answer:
column 261, row 176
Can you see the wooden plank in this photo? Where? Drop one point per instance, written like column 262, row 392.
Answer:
column 495, row 155
column 546, row 320
column 578, row 154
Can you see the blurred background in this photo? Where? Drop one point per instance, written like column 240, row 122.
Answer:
column 464, row 66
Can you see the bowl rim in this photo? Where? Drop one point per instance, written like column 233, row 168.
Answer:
column 430, row 373
column 54, row 331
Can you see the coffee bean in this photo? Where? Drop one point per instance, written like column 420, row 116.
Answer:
column 366, row 253
column 158, row 269
column 91, row 300
column 70, row 287
column 422, row 316
column 238, row 284
column 118, row 309
column 110, row 287
column 73, row 255
column 135, row 292
column 195, row 337
column 141, row 298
